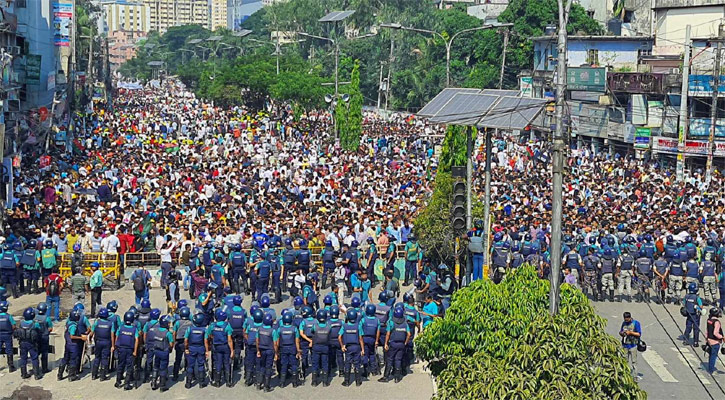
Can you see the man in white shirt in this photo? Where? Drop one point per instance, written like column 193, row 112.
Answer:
column 110, row 243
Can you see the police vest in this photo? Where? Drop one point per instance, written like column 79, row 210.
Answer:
column 297, row 318
column 517, row 260
column 289, row 257
column 219, row 335
column 143, row 318
column 322, row 334
column 287, row 335
column 329, row 256
column 691, row 303
column 526, row 248
column 572, row 261
column 303, row 258
column 411, row 315
column 151, row 334
column 354, row 260
column 236, row 319
column 661, row 266
column 264, row 269
column 103, row 330
column 370, row 326
column 193, row 262
column 644, row 266
column 708, row 268
column 196, row 336
column 238, row 260
column 590, row 263
column 627, row 262
column 500, row 257
column 335, row 325
column 82, row 327
column 351, row 334
column 184, row 324
column 28, row 258
column 676, row 269
column 691, row 250
column 266, row 341
column 8, row 261
column 709, row 253
column 252, row 329
column 27, row 332
column 206, row 257
column 381, row 313
column 693, row 269
column 126, row 338
column 607, row 265
column 400, row 332
column 649, row 249
column 671, row 251
column 161, row 339
column 42, row 321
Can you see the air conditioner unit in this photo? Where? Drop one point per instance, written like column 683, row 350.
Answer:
column 14, row 50
column 675, row 71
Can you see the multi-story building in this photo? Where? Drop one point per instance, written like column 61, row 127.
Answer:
column 125, row 15
column 217, row 14
column 168, row 13
column 122, row 47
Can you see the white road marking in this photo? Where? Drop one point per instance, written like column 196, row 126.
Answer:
column 658, row 365
column 692, row 360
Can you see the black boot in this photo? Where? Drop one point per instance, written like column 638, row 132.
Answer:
column 346, row 382
column 147, row 374
column 259, row 380
column 38, row 373
column 129, row 377
column 267, row 385
column 358, row 377
column 398, row 376
column 228, row 378
column 24, row 372
column 154, row 382
column 214, row 378
column 315, row 382
column 325, row 379
column 11, row 364
column 61, row 369
column 386, row 375
column 119, row 379
column 102, row 373
column 282, row 379
column 44, row 363
column 247, row 378
column 94, row 372
column 296, row 381
column 137, row 377
column 73, row 374
column 188, row 381
column 201, row 378
column 176, row 373
column 162, row 384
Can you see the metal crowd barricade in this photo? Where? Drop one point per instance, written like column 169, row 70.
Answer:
column 109, row 264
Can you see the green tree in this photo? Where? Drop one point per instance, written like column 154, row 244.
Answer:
column 499, row 342
column 350, row 137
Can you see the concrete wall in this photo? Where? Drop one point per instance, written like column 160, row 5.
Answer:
column 615, row 53
column 671, row 25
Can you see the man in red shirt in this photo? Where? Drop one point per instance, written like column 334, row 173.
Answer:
column 52, row 293
column 126, row 240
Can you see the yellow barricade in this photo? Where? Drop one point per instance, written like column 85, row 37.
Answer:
column 109, row 264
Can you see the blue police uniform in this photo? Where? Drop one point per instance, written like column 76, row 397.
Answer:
column 102, row 330
column 46, row 325
column 237, row 317
column 370, row 327
column 288, row 335
column 179, row 330
column 28, row 334
column 336, row 355
column 266, row 337
column 399, row 330
column 262, row 270
column 306, row 327
column 351, row 332
column 126, row 336
column 251, row 329
column 276, row 265
column 219, row 332
column 161, row 346
column 196, row 337
column 7, row 324
column 320, row 362
column 238, row 271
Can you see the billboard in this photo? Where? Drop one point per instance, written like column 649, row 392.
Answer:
column 62, row 20
column 586, row 78
column 32, row 69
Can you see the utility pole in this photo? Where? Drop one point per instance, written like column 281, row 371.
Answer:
column 682, row 133
column 713, row 109
column 487, row 202
column 558, row 159
column 380, row 86
column 89, row 70
column 391, row 58
column 503, row 59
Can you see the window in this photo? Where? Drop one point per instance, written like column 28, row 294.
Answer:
column 628, row 16
column 593, row 57
column 21, row 3
column 590, row 13
column 643, row 52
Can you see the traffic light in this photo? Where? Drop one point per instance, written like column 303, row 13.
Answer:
column 458, row 211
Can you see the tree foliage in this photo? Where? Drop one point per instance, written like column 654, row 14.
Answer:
column 499, row 342
column 350, row 135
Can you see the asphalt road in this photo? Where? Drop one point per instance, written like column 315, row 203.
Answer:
column 415, row 386
column 668, row 369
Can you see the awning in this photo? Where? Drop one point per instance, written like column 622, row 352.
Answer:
column 488, row 108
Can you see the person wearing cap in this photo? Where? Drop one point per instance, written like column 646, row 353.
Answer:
column 631, row 333
column 96, row 286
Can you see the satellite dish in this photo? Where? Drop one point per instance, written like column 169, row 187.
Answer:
column 328, row 98
column 346, row 97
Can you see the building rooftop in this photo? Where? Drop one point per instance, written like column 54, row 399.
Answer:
column 596, row 37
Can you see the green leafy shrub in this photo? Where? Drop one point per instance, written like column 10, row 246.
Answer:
column 499, row 342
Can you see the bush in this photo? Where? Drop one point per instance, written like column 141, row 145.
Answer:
column 499, row 342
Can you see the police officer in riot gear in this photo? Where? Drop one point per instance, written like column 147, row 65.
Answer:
column 692, row 311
